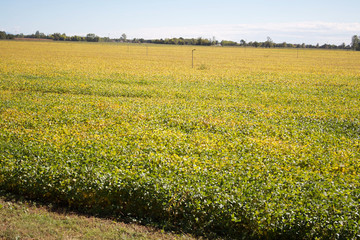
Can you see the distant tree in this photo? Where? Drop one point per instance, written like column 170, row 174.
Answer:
column 174, row 41
column 355, row 43
column 269, row 43
column 123, row 37
column 63, row 37
column 203, row 41
column 199, row 41
column 91, row 37
column 342, row 46
column 55, row 36
column 228, row 43
column 10, row 36
column 38, row 35
column 242, row 42
column 134, row 40
column 159, row 41
column 76, row 38
column 2, row 35
column 214, row 41
column 181, row 41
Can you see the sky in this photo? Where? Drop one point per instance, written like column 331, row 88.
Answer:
column 306, row 21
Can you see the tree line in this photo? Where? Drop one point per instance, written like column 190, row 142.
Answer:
column 55, row 36
column 355, row 43
column 91, row 37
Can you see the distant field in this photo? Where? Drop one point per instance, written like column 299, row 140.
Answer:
column 253, row 143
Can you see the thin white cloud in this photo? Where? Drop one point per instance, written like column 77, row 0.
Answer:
column 294, row 32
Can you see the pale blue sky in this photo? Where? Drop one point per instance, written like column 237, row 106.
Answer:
column 305, row 21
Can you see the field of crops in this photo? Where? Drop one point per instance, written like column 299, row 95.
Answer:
column 250, row 143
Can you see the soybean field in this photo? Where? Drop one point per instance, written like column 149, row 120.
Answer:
column 248, row 143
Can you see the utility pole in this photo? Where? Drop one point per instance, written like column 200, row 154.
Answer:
column 192, row 52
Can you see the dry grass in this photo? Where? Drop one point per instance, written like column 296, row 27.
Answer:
column 21, row 219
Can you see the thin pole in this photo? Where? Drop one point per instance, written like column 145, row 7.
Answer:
column 192, row 63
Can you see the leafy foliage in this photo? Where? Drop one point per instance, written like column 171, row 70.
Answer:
column 262, row 143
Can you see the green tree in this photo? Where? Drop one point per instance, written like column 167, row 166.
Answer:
column 181, row 41
column 63, row 37
column 342, row 46
column 269, row 43
column 91, row 37
column 123, row 37
column 55, row 36
column 355, row 43
column 10, row 36
column 2, row 35
column 76, row 38
column 228, row 43
column 214, row 41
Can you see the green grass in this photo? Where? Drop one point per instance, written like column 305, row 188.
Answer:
column 24, row 219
